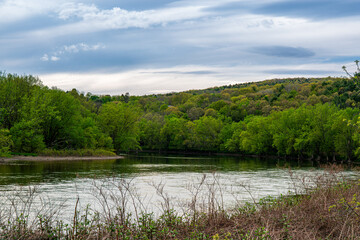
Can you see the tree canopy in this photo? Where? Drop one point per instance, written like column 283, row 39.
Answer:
column 300, row 117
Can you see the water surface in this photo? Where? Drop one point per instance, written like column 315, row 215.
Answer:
column 234, row 179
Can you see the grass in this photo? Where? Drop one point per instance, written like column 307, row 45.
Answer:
column 326, row 206
column 77, row 153
column 23, row 154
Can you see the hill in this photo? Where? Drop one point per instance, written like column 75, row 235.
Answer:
column 300, row 117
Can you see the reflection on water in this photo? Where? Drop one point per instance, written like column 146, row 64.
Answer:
column 64, row 181
column 25, row 173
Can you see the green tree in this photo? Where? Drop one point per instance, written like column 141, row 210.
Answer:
column 27, row 136
column 205, row 134
column 120, row 121
column 5, row 143
column 89, row 136
column 319, row 136
column 195, row 113
column 150, row 128
column 14, row 92
column 59, row 117
column 345, row 125
column 175, row 133
column 257, row 137
column 287, row 128
column 230, row 135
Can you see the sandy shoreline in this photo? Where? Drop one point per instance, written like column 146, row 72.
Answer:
column 56, row 158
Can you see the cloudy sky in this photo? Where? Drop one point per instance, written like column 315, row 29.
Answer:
column 156, row 46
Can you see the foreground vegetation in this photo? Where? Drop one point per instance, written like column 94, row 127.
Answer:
column 302, row 117
column 325, row 206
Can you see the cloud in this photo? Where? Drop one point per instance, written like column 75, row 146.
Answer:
column 44, row 58
column 54, row 58
column 178, row 78
column 148, row 45
column 199, row 72
column 238, row 33
column 283, row 51
column 18, row 10
column 82, row 18
column 75, row 48
column 76, row 10
column 69, row 49
column 139, row 81
column 299, row 72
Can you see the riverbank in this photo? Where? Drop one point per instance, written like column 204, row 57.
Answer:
column 57, row 158
column 316, row 160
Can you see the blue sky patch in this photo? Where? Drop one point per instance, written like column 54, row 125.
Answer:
column 312, row 9
column 287, row 52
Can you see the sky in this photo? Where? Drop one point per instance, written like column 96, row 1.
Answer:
column 157, row 46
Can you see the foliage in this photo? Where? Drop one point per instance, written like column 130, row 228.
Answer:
column 38, row 117
column 205, row 134
column 120, row 121
column 5, row 143
column 77, row 153
column 175, row 132
column 256, row 138
column 315, row 118
column 27, row 137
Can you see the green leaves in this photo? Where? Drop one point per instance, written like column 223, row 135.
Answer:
column 27, row 137
column 257, row 137
column 14, row 92
column 120, row 121
column 5, row 143
column 175, row 133
column 38, row 117
column 205, row 134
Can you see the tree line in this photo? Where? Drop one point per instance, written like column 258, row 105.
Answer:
column 299, row 117
column 34, row 117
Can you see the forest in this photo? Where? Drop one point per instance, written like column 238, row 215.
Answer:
column 307, row 118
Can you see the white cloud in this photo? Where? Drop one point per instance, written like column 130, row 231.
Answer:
column 54, row 58
column 327, row 37
column 118, row 18
column 16, row 10
column 70, row 10
column 196, row 32
column 89, row 18
column 44, row 58
column 75, row 48
column 69, row 49
column 179, row 78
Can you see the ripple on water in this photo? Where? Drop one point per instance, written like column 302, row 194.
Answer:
column 233, row 179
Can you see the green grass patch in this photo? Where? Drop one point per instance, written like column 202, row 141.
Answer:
column 24, row 154
column 77, row 153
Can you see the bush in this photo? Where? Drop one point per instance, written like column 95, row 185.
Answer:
column 5, row 143
column 77, row 153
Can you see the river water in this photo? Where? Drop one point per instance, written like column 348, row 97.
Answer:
column 148, row 182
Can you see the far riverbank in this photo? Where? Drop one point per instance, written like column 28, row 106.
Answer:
column 57, row 158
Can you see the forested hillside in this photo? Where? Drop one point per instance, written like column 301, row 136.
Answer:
column 300, row 117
